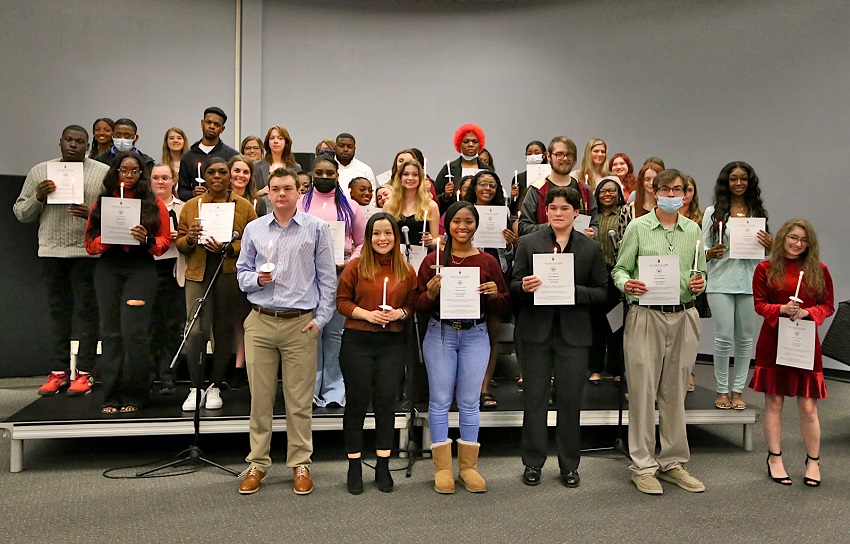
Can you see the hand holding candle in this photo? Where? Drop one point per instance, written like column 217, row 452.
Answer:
column 696, row 257
column 268, row 266
column 384, row 306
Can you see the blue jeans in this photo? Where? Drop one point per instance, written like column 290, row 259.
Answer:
column 734, row 316
column 330, row 386
column 456, row 361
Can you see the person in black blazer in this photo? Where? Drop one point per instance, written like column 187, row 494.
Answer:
column 556, row 337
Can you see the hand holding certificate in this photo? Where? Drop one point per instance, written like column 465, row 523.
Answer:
column 338, row 239
column 492, row 221
column 662, row 278
column 459, row 294
column 796, row 344
column 68, row 179
column 743, row 237
column 556, row 272
column 118, row 216
column 217, row 221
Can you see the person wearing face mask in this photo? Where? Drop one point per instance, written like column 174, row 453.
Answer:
column 468, row 140
column 124, row 138
column 349, row 167
column 373, row 343
column 203, row 254
column 535, row 153
column 125, row 282
column 210, row 145
column 660, row 342
column 169, row 309
column 66, row 268
column 328, row 202
column 562, row 157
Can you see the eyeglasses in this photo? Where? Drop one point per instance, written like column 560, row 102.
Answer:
column 608, row 191
column 676, row 191
column 560, row 156
column 490, row 185
column 252, row 148
column 125, row 172
column 159, row 178
column 796, row 240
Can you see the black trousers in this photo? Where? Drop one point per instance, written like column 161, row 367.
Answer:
column 372, row 365
column 126, row 362
column 71, row 300
column 606, row 353
column 167, row 319
column 568, row 364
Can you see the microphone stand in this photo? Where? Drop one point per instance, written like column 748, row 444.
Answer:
column 193, row 454
column 414, row 451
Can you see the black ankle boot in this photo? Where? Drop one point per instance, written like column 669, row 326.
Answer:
column 383, row 478
column 355, row 476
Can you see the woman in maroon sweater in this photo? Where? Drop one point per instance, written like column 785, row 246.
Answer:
column 456, row 351
column 375, row 294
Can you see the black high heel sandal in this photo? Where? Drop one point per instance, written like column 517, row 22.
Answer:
column 811, row 482
column 781, row 481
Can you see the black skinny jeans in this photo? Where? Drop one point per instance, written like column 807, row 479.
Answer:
column 167, row 319
column 71, row 300
column 372, row 365
column 126, row 362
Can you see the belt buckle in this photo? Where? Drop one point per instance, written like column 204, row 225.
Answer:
column 457, row 325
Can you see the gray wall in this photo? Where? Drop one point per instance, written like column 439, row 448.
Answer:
column 698, row 83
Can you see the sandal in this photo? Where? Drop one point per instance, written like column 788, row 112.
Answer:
column 722, row 401
column 692, row 383
column 811, row 482
column 595, row 378
column 129, row 409
column 488, row 401
column 737, row 402
column 109, row 410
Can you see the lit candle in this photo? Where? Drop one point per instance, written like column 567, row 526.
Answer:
column 458, row 194
column 199, row 170
column 799, row 282
column 384, row 303
column 720, row 233
column 122, row 189
column 255, row 204
column 696, row 256
column 585, row 179
column 199, row 179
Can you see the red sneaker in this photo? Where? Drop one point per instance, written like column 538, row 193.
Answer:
column 81, row 385
column 55, row 382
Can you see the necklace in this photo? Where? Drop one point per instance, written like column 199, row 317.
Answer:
column 669, row 236
column 740, row 211
column 460, row 261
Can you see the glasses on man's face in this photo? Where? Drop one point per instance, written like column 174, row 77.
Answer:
column 796, row 240
column 490, row 185
column 126, row 172
column 560, row 156
column 607, row 192
column 675, row 191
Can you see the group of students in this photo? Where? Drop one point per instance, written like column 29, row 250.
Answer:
column 335, row 327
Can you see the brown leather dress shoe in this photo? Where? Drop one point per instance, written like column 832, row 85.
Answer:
column 251, row 483
column 303, row 484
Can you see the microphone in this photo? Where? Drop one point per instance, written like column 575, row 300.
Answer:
column 233, row 237
column 613, row 236
column 406, row 231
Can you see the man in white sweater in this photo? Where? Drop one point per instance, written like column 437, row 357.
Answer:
column 66, row 267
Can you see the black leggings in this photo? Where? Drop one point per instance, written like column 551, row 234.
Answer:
column 372, row 365
column 125, row 290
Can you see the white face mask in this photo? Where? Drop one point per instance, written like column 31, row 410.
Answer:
column 534, row 159
column 123, row 144
column 469, row 157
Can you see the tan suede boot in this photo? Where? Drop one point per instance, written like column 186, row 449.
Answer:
column 444, row 481
column 467, row 460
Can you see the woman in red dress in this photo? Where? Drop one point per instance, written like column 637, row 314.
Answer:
column 795, row 249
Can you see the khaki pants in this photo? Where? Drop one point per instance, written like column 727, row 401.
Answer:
column 269, row 342
column 660, row 351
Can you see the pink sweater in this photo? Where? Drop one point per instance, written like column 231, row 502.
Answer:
column 328, row 212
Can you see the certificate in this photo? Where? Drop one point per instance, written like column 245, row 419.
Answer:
column 662, row 278
column 216, row 221
column 117, row 217
column 369, row 211
column 68, row 178
column 417, row 255
column 743, row 237
column 492, row 220
column 338, row 240
column 469, row 172
column 384, row 177
column 581, row 222
column 557, row 272
column 796, row 344
column 171, row 252
column 459, row 296
column 533, row 172
column 615, row 318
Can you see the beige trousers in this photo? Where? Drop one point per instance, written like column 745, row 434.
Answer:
column 660, row 351
column 272, row 343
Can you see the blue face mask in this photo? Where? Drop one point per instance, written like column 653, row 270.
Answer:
column 469, row 157
column 670, row 204
column 123, row 144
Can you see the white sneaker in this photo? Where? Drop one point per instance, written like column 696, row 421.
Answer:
column 189, row 403
column 214, row 401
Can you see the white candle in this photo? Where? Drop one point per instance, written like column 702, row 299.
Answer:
column 437, row 260
column 425, row 223
column 200, row 180
column 122, row 189
column 425, row 167
column 458, row 194
column 696, row 256
column 585, row 179
column 324, row 205
column 269, row 252
column 384, row 303
column 799, row 282
column 720, row 233
column 255, row 204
